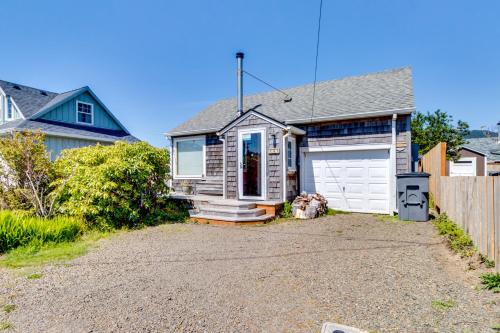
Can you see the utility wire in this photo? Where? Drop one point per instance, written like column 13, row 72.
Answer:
column 267, row 84
column 316, row 62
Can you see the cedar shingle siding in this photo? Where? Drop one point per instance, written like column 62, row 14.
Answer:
column 364, row 131
column 274, row 162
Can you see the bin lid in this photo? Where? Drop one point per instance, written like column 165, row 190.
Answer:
column 413, row 175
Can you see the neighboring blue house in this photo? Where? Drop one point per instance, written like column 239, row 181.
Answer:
column 72, row 119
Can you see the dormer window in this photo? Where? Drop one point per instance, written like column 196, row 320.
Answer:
column 84, row 113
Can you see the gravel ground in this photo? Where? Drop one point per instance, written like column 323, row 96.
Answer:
column 286, row 277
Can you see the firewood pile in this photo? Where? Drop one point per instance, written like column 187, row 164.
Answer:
column 309, row 206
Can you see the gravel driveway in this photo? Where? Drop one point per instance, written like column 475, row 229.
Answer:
column 287, row 277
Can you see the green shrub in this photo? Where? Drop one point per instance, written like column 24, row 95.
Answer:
column 21, row 230
column 114, row 186
column 491, row 281
column 456, row 237
column 287, row 211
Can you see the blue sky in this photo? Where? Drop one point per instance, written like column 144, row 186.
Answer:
column 156, row 63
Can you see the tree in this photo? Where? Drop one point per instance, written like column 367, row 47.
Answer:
column 429, row 129
column 26, row 173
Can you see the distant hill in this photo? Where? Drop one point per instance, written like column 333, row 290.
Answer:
column 481, row 134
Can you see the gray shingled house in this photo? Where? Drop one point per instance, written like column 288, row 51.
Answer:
column 349, row 149
column 72, row 119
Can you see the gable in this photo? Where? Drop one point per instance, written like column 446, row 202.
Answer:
column 253, row 117
column 66, row 112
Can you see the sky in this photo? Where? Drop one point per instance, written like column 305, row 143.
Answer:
column 157, row 63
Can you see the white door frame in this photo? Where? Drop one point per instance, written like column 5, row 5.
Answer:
column 263, row 143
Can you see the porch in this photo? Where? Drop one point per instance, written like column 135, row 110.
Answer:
column 210, row 209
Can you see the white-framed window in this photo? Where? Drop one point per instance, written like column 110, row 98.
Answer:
column 84, row 113
column 9, row 115
column 189, row 157
column 291, row 154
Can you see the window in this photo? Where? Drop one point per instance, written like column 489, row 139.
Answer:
column 291, row 154
column 189, row 157
column 84, row 113
column 10, row 110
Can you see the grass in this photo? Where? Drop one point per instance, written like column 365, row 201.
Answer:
column 491, row 281
column 4, row 325
column 34, row 276
column 457, row 239
column 488, row 263
column 8, row 308
column 332, row 212
column 496, row 327
column 33, row 255
column 442, row 305
column 18, row 229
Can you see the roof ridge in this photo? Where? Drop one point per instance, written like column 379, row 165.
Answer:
column 385, row 71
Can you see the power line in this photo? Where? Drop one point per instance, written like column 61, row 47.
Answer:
column 268, row 84
column 316, row 62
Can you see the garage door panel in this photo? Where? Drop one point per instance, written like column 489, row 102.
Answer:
column 350, row 180
column 355, row 172
column 374, row 189
column 378, row 205
column 377, row 172
column 353, row 188
column 332, row 187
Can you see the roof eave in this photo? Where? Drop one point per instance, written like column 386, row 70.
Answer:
column 352, row 116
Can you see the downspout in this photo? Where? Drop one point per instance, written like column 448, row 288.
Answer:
column 393, row 159
column 285, row 164
column 223, row 139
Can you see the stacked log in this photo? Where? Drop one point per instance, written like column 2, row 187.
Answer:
column 309, row 206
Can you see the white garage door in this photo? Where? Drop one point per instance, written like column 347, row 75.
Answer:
column 350, row 180
column 465, row 166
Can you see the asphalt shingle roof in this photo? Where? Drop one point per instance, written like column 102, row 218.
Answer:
column 342, row 98
column 92, row 133
column 32, row 101
column 28, row 99
column 488, row 146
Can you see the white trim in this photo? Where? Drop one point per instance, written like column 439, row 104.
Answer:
column 245, row 116
column 344, row 148
column 192, row 132
column 392, row 167
column 73, row 94
column 174, row 156
column 263, row 180
column 351, row 116
column 285, row 165
column 304, row 150
column 91, row 113
column 223, row 139
column 14, row 104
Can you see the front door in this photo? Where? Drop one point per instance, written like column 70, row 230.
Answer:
column 251, row 163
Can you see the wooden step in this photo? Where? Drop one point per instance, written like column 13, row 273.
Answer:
column 231, row 212
column 230, row 221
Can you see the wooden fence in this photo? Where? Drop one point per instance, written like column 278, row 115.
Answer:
column 473, row 203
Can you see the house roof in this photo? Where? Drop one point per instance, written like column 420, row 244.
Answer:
column 28, row 99
column 352, row 97
column 34, row 103
column 488, row 146
column 68, row 130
